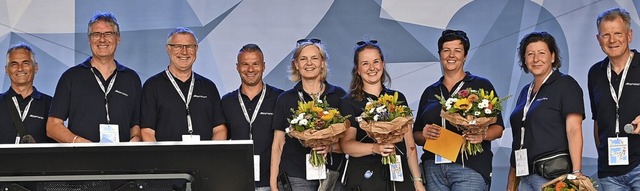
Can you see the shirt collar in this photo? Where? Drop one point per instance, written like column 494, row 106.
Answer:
column 467, row 78
column 87, row 64
column 328, row 88
column 35, row 94
column 634, row 62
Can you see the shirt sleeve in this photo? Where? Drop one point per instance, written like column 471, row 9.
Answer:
column 218, row 116
column 135, row 118
column 62, row 98
column 280, row 114
column 572, row 98
column 148, row 105
column 420, row 121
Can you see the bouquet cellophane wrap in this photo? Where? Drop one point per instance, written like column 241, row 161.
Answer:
column 582, row 182
column 469, row 124
column 328, row 136
column 387, row 131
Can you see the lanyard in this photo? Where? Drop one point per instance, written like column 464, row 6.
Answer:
column 255, row 112
column 22, row 114
column 106, row 92
column 528, row 103
column 317, row 97
column 444, row 123
column 616, row 97
column 187, row 100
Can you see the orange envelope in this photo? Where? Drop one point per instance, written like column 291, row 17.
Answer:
column 447, row 145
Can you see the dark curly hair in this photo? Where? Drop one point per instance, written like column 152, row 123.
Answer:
column 539, row 37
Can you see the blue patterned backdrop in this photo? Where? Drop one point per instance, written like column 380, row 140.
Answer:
column 408, row 31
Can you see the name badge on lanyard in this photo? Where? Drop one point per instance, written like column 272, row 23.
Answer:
column 618, row 147
column 522, row 159
column 109, row 133
column 190, row 137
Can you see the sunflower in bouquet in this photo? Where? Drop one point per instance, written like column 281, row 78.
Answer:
column 472, row 111
column 386, row 121
column 316, row 124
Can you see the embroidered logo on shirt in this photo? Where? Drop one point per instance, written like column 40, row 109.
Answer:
column 265, row 113
column 200, row 96
column 542, row 99
column 122, row 93
column 35, row 116
column 632, row 84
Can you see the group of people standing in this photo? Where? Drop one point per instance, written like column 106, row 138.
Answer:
column 104, row 101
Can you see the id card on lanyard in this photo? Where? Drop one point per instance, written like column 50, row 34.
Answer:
column 522, row 158
column 190, row 137
column 109, row 133
column 618, row 147
column 437, row 158
column 256, row 158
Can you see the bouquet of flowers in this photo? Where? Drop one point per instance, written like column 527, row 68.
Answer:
column 471, row 111
column 570, row 182
column 386, row 121
column 316, row 124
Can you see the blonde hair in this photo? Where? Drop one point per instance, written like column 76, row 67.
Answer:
column 294, row 75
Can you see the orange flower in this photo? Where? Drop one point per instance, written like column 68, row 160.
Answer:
column 473, row 98
column 392, row 108
column 560, row 185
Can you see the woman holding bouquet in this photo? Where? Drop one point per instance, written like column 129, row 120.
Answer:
column 549, row 112
column 365, row 171
column 309, row 69
column 475, row 174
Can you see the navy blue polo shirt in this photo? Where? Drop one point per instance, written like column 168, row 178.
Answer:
column 429, row 113
column 164, row 111
column 36, row 121
column 292, row 160
column 545, row 126
column 603, row 110
column 262, row 134
column 350, row 106
column 79, row 98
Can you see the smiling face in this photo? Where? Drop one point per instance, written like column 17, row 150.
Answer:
column 20, row 68
column 310, row 63
column 103, row 39
column 250, row 66
column 452, row 56
column 182, row 49
column 370, row 66
column 614, row 37
column 539, row 59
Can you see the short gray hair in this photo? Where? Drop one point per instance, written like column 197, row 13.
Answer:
column 23, row 46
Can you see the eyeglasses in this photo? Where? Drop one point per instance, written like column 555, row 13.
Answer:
column 178, row 47
column 312, row 40
column 98, row 35
column 360, row 43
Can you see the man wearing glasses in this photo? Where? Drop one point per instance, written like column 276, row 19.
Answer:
column 99, row 97
column 179, row 104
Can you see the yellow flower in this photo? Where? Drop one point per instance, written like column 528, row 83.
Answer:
column 328, row 116
column 316, row 109
column 400, row 109
column 462, row 104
